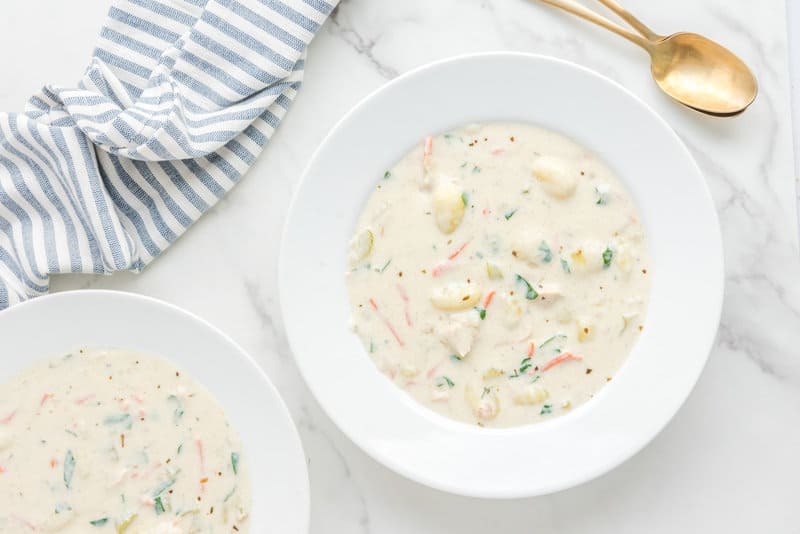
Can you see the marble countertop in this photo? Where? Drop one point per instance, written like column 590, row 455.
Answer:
column 729, row 460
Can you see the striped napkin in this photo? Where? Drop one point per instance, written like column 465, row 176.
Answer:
column 179, row 99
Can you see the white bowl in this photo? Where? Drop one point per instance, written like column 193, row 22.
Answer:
column 685, row 248
column 48, row 326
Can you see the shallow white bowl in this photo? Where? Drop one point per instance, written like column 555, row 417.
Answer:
column 685, row 248
column 49, row 326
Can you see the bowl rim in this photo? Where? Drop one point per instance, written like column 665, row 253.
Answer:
column 386, row 459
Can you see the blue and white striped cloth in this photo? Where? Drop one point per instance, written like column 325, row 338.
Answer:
column 179, row 99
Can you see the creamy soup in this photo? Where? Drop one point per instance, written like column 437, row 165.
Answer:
column 117, row 442
column 499, row 274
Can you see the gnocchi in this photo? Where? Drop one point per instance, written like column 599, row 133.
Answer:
column 448, row 206
column 556, row 176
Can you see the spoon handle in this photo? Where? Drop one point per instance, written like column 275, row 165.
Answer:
column 577, row 9
column 635, row 23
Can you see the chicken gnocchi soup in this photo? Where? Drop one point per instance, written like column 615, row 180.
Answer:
column 499, row 274
column 110, row 441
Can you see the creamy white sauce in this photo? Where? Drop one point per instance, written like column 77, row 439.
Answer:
column 499, row 274
column 113, row 441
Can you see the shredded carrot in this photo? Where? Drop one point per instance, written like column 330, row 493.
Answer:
column 386, row 322
column 2, row 469
column 559, row 359
column 488, row 300
column 45, row 397
column 7, row 419
column 402, row 291
column 486, row 211
column 457, row 252
column 433, row 369
column 404, row 296
column 53, row 463
column 393, row 331
column 201, row 454
column 25, row 522
column 427, row 151
column 84, row 399
column 448, row 264
column 531, row 349
column 442, row 267
column 204, row 480
column 497, row 151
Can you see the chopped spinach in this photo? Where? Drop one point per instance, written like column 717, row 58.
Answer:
column 608, row 255
column 530, row 293
column 124, row 419
column 547, row 254
column 444, row 382
column 178, row 413
column 235, row 462
column 69, row 468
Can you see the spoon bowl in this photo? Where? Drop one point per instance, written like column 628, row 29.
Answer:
column 702, row 74
column 694, row 70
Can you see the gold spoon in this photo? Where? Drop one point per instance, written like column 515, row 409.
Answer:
column 692, row 69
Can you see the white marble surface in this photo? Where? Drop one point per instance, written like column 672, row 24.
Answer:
column 728, row 462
